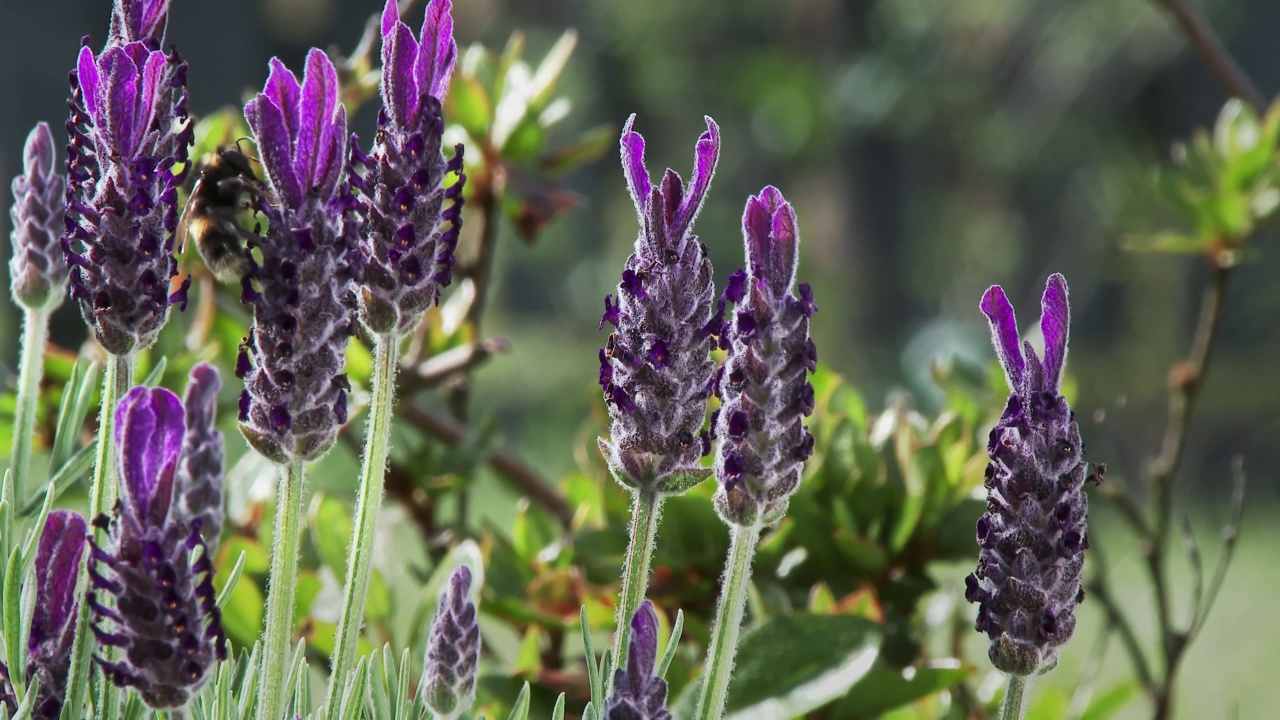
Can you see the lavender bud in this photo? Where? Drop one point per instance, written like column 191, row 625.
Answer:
column 656, row 369
column 409, row 254
column 638, row 694
column 453, row 650
column 1032, row 536
column 139, row 21
column 53, row 625
column 38, row 271
column 295, row 395
column 764, row 389
column 198, row 484
column 128, row 130
column 165, row 618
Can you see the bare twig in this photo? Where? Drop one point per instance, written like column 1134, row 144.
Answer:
column 438, row 368
column 1196, row 561
column 1083, row 691
column 1214, row 54
column 1100, row 590
column 1230, row 533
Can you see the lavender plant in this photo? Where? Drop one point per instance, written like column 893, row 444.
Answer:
column 453, row 650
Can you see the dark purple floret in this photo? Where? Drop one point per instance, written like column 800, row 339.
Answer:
column 407, row 245
column 155, row 565
column 453, row 650
column 128, row 130
column 638, row 694
column 1032, row 536
column 304, row 304
column 198, row 485
column 38, row 271
column 58, row 557
column 765, row 392
column 656, row 368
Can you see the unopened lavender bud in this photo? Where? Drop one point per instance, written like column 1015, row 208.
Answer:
column 764, row 387
column 656, row 369
column 58, row 557
column 295, row 396
column 139, row 21
column 128, row 129
column 198, row 485
column 37, row 269
column 165, row 619
column 453, row 650
column 413, row 220
column 1032, row 536
column 639, row 694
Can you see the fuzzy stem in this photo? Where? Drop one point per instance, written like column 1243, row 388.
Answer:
column 116, row 381
column 35, row 331
column 635, row 573
column 1015, row 697
column 278, row 634
column 724, row 635
column 360, row 555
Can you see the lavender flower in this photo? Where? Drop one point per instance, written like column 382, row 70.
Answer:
column 764, row 386
column 656, row 369
column 1033, row 534
column 409, row 254
column 638, row 694
column 198, row 484
column 58, row 559
column 139, row 21
column 165, row 618
column 453, row 650
column 38, row 271
column 128, row 129
column 295, row 396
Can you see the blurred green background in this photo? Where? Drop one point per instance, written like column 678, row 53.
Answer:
column 930, row 149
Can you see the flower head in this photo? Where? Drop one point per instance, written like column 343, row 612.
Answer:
column 198, row 485
column 1032, row 536
column 295, row 396
column 139, row 21
column 453, row 650
column 656, row 369
column 58, row 557
column 409, row 253
column 638, row 694
column 38, row 271
column 155, row 565
column 128, row 129
column 764, row 387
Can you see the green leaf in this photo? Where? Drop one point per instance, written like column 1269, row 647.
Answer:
column 557, row 713
column 156, row 374
column 306, row 588
column 589, row 147
column 681, row 483
column 1111, row 701
column 469, row 105
column 793, row 664
column 520, row 711
column 330, row 531
column 75, row 468
column 525, row 141
column 242, row 615
column 233, row 577
column 673, row 643
column 885, row 688
column 543, row 85
column 77, row 395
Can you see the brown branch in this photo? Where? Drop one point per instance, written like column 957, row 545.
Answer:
column 1214, row 54
column 438, row 368
column 401, row 485
column 1100, row 590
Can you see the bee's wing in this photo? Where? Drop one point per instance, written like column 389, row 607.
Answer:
column 180, row 235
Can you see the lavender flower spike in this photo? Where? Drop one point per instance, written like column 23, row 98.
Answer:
column 1033, row 535
column 165, row 619
column 409, row 253
column 453, row 650
column 128, row 130
column 764, row 387
column 37, row 268
column 198, row 485
column 638, row 694
column 295, row 396
column 656, row 369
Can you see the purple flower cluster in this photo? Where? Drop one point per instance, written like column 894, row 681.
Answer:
column 1033, row 534
column 409, row 254
column 38, row 270
column 198, row 484
column 656, row 369
column 453, row 650
column 128, row 130
column 639, row 694
column 764, row 384
column 155, row 563
column 295, row 396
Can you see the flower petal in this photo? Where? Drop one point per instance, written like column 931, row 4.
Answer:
column 769, row 226
column 58, row 559
column 271, row 133
column 315, row 118
column 151, row 97
column 705, row 157
column 119, row 99
column 153, row 18
column 1055, row 320
column 87, row 73
column 633, row 167
column 283, row 89
column 149, row 430
column 643, row 653
column 1004, row 334
column 399, row 84
column 330, row 164
column 390, row 17
column 438, row 51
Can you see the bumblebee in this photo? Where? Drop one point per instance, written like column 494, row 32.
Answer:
column 222, row 190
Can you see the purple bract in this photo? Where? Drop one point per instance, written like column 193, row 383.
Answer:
column 38, row 270
column 639, row 694
column 453, row 650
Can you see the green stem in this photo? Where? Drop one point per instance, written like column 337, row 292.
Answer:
column 635, row 573
column 35, row 331
column 1015, row 698
column 116, row 381
column 277, row 638
column 724, row 636
column 360, row 555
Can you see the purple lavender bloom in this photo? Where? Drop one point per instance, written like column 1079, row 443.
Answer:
column 198, row 484
column 638, row 694
column 295, row 396
column 453, row 650
column 165, row 619
column 128, row 130
column 409, row 254
column 656, row 369
column 58, row 557
column 1032, row 536
column 38, row 271
column 764, row 387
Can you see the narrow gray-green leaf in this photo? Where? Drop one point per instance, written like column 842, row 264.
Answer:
column 520, row 711
column 672, row 645
column 233, row 577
